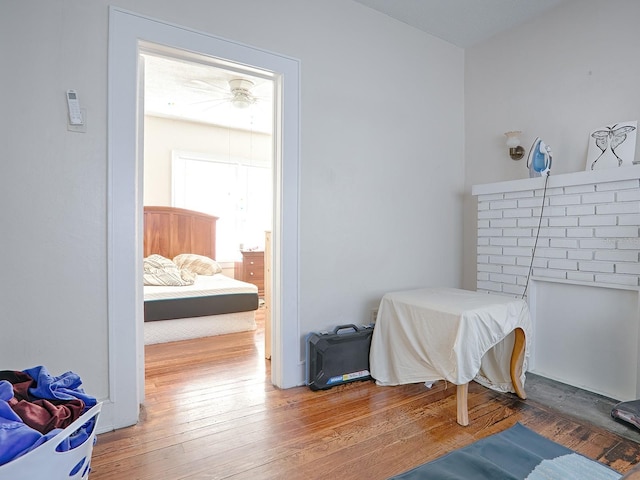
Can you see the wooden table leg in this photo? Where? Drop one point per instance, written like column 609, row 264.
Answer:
column 461, row 402
column 517, row 360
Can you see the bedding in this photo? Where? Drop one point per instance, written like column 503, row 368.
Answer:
column 198, row 264
column 158, row 270
column 185, row 293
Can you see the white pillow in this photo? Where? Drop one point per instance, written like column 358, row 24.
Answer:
column 197, row 264
column 161, row 271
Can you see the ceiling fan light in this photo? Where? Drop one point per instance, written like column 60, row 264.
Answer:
column 241, row 90
column 241, row 101
column 240, row 84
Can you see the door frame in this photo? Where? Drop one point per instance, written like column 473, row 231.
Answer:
column 124, row 204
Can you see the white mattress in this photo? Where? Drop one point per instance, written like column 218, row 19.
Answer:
column 203, row 286
column 433, row 334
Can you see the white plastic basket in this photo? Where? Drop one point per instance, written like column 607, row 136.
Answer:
column 44, row 462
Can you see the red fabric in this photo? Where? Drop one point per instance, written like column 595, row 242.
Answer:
column 40, row 414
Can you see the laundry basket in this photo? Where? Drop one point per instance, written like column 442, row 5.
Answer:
column 45, row 462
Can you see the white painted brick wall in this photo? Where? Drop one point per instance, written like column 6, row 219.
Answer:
column 629, row 196
column 589, row 233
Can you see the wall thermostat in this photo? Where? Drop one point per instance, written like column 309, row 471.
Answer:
column 75, row 115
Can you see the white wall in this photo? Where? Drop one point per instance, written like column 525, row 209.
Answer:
column 558, row 77
column 163, row 135
column 381, row 177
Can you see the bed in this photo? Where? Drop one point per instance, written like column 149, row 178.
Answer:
column 207, row 302
column 431, row 334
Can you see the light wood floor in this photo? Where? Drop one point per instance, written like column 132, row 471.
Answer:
column 211, row 413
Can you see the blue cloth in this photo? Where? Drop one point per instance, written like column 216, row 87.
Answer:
column 16, row 438
column 6, row 394
column 78, row 437
column 62, row 387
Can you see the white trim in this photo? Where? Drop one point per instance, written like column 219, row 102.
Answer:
column 124, row 211
column 216, row 157
column 613, row 286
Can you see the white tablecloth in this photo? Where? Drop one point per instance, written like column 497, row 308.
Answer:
column 445, row 333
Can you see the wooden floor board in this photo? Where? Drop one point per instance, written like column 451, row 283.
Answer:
column 211, row 413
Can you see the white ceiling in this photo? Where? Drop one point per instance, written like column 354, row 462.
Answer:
column 198, row 91
column 462, row 22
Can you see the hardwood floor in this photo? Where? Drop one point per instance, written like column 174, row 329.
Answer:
column 211, row 413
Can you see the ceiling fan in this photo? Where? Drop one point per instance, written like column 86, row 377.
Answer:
column 239, row 94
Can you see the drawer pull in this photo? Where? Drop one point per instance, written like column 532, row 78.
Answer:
column 251, row 262
column 251, row 273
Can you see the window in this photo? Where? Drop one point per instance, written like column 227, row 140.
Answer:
column 236, row 190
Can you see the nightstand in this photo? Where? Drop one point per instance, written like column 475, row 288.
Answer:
column 251, row 269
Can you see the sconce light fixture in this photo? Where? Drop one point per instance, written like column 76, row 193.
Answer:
column 516, row 152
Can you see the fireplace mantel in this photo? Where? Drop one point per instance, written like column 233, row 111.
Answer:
column 583, row 281
column 562, row 180
column 589, row 230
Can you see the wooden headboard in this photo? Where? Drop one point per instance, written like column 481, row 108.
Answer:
column 169, row 231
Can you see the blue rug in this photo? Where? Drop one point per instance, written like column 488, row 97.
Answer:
column 515, row 454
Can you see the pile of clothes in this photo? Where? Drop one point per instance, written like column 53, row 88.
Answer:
column 35, row 406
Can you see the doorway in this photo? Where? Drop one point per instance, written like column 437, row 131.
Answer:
column 208, row 147
column 124, row 210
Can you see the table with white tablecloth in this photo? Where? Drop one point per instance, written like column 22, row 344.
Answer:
column 431, row 334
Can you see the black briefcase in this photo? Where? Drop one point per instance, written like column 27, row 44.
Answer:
column 341, row 356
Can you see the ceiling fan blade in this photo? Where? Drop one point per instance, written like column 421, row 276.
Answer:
column 214, row 104
column 211, row 100
column 262, row 98
column 202, row 85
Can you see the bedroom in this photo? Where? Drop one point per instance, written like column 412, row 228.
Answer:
column 363, row 175
column 208, row 141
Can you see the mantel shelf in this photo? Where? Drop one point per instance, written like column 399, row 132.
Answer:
column 562, row 180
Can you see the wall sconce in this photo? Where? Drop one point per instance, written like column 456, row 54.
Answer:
column 516, row 152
